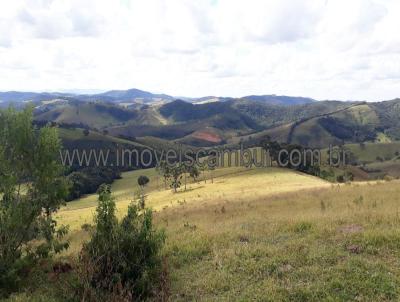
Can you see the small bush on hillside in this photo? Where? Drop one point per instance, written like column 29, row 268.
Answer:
column 122, row 259
column 388, row 178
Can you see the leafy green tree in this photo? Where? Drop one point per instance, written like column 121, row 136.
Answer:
column 194, row 172
column 272, row 147
column 32, row 189
column 165, row 170
column 176, row 177
column 142, row 182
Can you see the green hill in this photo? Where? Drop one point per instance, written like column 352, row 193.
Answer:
column 314, row 124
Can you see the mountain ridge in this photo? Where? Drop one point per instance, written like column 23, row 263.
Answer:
column 138, row 95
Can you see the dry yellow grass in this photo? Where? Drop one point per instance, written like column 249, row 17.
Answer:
column 229, row 184
column 269, row 235
column 338, row 243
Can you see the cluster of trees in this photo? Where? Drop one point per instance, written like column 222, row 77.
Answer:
column 173, row 175
column 309, row 163
column 88, row 180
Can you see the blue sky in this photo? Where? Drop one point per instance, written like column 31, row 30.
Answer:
column 326, row 49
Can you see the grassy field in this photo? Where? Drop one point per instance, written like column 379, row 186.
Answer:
column 229, row 184
column 370, row 151
column 265, row 235
column 335, row 244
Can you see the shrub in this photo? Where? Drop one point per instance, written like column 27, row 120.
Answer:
column 388, row 178
column 122, row 258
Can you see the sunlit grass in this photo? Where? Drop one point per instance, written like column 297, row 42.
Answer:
column 226, row 184
column 267, row 235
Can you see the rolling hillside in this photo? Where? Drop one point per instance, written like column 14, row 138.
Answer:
column 92, row 114
column 309, row 123
column 253, row 233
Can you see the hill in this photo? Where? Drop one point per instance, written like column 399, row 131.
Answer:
column 309, row 123
column 254, row 234
column 279, row 99
column 326, row 123
column 235, row 183
column 129, row 96
column 90, row 114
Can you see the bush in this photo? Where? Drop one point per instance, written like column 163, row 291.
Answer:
column 122, row 258
column 388, row 178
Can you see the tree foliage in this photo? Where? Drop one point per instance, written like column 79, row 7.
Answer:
column 31, row 190
column 143, row 180
column 176, row 173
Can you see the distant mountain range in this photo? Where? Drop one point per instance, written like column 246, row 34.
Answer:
column 208, row 121
column 138, row 96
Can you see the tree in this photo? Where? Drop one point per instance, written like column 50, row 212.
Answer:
column 272, row 147
column 32, row 189
column 165, row 171
column 185, row 170
column 86, row 132
column 142, row 182
column 203, row 169
column 194, row 172
column 176, row 176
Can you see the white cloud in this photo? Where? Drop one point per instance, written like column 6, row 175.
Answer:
column 327, row 49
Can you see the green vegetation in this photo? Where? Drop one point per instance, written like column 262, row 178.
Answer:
column 288, row 247
column 253, row 234
column 314, row 124
column 233, row 233
column 31, row 191
column 368, row 152
column 87, row 180
column 90, row 114
column 122, row 260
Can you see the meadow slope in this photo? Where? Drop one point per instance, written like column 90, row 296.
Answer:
column 263, row 235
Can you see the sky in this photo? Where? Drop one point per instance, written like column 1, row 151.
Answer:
column 325, row 49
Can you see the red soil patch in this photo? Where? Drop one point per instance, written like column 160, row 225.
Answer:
column 207, row 136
